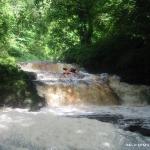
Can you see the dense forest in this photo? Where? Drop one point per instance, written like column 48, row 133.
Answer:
column 101, row 35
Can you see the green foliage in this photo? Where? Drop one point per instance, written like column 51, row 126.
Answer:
column 15, row 87
column 11, row 84
column 45, row 29
column 103, row 35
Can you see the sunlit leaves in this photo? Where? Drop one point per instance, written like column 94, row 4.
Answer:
column 46, row 27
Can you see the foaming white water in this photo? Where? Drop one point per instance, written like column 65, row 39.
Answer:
column 130, row 94
column 83, row 88
column 126, row 111
column 24, row 130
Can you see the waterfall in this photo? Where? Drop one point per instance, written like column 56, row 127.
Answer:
column 83, row 87
column 79, row 88
column 132, row 95
column 73, row 124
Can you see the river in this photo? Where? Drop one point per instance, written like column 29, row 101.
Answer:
column 83, row 112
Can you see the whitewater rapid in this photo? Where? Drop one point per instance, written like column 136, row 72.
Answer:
column 84, row 112
column 55, row 129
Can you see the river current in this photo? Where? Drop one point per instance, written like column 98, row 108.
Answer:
column 86, row 112
column 57, row 129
